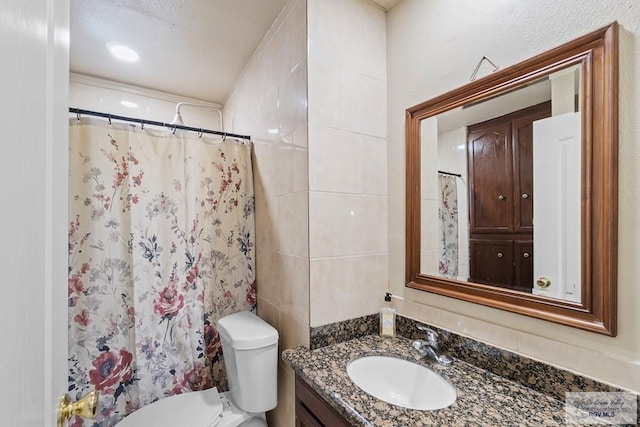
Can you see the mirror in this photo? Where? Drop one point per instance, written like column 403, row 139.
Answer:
column 512, row 187
column 478, row 198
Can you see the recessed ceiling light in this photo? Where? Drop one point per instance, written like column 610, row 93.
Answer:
column 128, row 104
column 122, row 52
column 273, row 131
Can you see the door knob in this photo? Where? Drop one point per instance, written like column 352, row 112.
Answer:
column 85, row 407
column 525, row 196
column 543, row 282
column 526, row 254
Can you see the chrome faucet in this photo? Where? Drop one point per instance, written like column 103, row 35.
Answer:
column 429, row 348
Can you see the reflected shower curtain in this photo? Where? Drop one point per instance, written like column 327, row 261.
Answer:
column 448, row 215
column 161, row 246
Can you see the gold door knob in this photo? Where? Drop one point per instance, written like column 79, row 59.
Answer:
column 543, row 282
column 85, row 407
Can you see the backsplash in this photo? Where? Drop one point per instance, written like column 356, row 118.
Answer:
column 538, row 376
column 541, row 377
column 334, row 333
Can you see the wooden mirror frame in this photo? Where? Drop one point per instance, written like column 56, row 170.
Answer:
column 598, row 54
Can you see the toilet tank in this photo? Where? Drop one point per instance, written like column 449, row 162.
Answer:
column 250, row 349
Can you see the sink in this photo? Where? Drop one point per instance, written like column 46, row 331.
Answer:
column 401, row 382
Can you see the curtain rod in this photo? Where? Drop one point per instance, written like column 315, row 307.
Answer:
column 143, row 122
column 450, row 173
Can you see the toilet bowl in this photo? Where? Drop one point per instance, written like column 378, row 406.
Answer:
column 250, row 348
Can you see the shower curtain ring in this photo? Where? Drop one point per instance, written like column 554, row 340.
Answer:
column 78, row 115
column 109, row 119
column 173, row 132
column 224, row 137
column 141, row 125
column 200, row 133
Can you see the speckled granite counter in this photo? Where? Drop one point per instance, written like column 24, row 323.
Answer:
column 484, row 399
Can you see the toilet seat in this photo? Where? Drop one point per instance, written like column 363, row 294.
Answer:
column 202, row 408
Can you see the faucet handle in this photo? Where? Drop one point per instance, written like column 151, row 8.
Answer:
column 432, row 336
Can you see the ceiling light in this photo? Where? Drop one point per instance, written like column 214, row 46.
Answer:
column 128, row 104
column 122, row 52
column 273, row 131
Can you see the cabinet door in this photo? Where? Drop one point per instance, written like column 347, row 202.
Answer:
column 490, row 177
column 312, row 410
column 304, row 418
column 523, row 259
column 523, row 165
column 492, row 262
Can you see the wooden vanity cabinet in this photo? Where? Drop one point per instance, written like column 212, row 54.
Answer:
column 312, row 410
column 500, row 163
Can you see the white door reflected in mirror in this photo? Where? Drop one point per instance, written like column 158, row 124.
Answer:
column 556, row 209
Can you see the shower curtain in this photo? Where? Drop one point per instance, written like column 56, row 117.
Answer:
column 448, row 214
column 161, row 246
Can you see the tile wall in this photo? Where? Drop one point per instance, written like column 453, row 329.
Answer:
column 321, row 185
column 269, row 102
column 347, row 159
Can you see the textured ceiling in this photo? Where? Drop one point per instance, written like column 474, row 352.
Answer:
column 194, row 48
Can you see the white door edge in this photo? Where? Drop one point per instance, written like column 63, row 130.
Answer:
column 56, row 208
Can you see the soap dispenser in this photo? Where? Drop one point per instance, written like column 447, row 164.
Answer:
column 387, row 319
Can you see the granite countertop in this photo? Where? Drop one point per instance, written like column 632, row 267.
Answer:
column 484, row 399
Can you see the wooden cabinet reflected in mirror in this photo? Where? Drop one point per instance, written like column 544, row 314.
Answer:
column 512, row 187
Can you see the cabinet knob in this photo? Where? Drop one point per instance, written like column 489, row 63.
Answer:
column 526, row 254
column 500, row 197
column 525, row 196
column 543, row 282
column 500, row 255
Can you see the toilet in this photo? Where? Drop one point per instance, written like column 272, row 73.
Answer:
column 250, row 348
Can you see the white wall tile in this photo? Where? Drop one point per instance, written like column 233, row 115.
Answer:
column 271, row 94
column 333, row 36
column 295, row 293
column 294, row 224
column 324, row 30
column 293, row 100
column 350, row 286
column 363, row 104
column 341, row 161
column 347, row 152
column 298, row 33
column 324, row 93
column 346, row 224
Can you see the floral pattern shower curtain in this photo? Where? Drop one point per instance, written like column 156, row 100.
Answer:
column 448, row 213
column 161, row 246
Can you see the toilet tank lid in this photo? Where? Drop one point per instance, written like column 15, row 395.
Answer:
column 246, row 331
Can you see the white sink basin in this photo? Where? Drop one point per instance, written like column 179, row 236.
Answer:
column 401, row 382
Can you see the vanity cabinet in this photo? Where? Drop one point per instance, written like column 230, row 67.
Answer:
column 500, row 163
column 312, row 410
